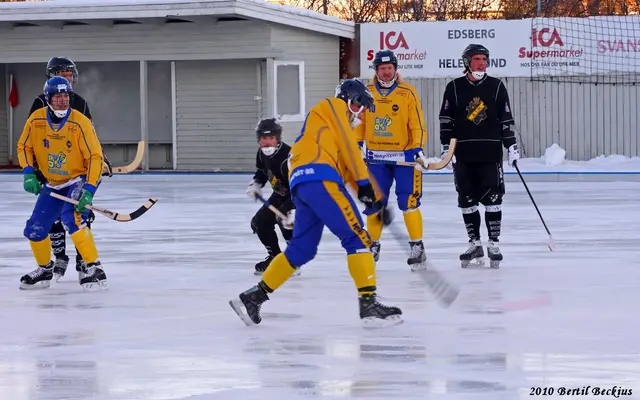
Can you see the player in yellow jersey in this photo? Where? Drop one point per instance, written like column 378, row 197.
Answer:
column 395, row 131
column 63, row 143
column 321, row 157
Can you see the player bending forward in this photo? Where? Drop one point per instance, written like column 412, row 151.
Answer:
column 323, row 155
column 395, row 131
column 476, row 111
column 62, row 66
column 63, row 142
column 271, row 164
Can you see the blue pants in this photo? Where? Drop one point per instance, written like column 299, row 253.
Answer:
column 408, row 184
column 48, row 209
column 319, row 204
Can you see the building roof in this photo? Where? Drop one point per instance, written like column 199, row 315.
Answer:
column 72, row 11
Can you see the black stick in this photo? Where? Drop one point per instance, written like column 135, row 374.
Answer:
column 551, row 244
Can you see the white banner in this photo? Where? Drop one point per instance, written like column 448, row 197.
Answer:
column 518, row 48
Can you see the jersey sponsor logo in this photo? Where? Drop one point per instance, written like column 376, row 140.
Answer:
column 476, row 111
column 56, row 162
column 45, row 143
column 381, row 125
column 395, row 108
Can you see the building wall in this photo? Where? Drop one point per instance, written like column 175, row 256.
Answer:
column 584, row 119
column 320, row 54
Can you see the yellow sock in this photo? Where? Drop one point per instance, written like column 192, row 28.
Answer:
column 83, row 239
column 277, row 273
column 413, row 221
column 42, row 251
column 374, row 227
column 363, row 272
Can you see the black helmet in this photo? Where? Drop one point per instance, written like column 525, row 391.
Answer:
column 354, row 91
column 385, row 57
column 268, row 127
column 59, row 64
column 470, row 51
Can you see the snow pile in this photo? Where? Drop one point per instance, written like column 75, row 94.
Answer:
column 554, row 155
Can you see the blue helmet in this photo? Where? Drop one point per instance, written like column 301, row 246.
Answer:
column 54, row 85
column 352, row 91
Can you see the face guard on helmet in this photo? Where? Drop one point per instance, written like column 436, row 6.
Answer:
column 468, row 53
column 59, row 105
column 266, row 129
column 387, row 76
column 62, row 66
column 357, row 96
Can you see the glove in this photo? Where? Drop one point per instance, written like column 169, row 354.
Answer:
column 443, row 154
column 86, row 199
column 367, row 195
column 254, row 190
column 421, row 161
column 107, row 169
column 287, row 223
column 31, row 183
column 514, row 154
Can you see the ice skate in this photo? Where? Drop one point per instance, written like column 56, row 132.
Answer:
column 39, row 278
column 251, row 301
column 417, row 259
column 493, row 251
column 60, row 267
column 262, row 265
column 375, row 249
column 374, row 314
column 81, row 266
column 95, row 279
column 473, row 256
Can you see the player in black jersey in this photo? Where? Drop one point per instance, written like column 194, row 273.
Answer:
column 272, row 167
column 476, row 111
column 62, row 66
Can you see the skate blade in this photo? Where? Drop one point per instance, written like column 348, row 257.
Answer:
column 56, row 277
column 258, row 273
column 237, row 306
column 95, row 286
column 35, row 286
column 379, row 323
column 495, row 264
column 475, row 263
column 419, row 267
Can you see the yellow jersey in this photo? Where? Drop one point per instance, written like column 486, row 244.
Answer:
column 62, row 151
column 395, row 130
column 326, row 149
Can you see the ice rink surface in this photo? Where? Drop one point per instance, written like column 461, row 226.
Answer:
column 164, row 330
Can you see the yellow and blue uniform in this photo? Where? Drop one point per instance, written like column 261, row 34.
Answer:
column 323, row 160
column 395, row 131
column 69, row 155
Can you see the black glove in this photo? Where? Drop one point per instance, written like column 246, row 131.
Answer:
column 367, row 195
column 108, row 171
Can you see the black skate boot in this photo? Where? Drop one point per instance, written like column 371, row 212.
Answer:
column 375, row 314
column 262, row 265
column 251, row 300
column 473, row 256
column 417, row 259
column 95, row 279
column 375, row 249
column 60, row 267
column 493, row 251
column 81, row 266
column 39, row 278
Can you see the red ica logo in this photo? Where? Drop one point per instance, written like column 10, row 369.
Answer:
column 545, row 38
column 392, row 40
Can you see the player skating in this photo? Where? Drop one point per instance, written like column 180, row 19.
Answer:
column 476, row 110
column 323, row 155
column 62, row 66
column 395, row 131
column 63, row 142
column 271, row 166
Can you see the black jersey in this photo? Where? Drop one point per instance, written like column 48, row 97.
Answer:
column 275, row 170
column 75, row 101
column 478, row 115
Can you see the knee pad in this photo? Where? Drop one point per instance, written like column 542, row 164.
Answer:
column 466, row 201
column 254, row 224
column 72, row 222
column 357, row 243
column 34, row 231
column 299, row 256
column 493, row 198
